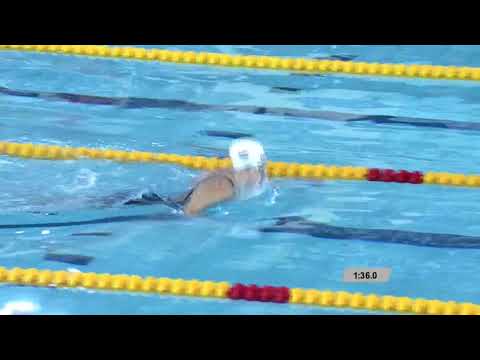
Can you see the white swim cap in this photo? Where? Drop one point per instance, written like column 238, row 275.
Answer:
column 247, row 153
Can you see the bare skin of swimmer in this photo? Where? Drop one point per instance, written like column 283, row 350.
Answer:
column 219, row 186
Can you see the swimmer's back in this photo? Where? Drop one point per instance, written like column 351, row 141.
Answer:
column 216, row 187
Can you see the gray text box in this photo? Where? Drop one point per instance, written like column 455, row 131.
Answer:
column 364, row 274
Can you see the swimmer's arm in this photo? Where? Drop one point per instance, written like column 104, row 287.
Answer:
column 209, row 192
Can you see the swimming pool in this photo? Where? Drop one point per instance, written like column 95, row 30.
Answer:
column 430, row 125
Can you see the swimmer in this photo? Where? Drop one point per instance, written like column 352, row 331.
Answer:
column 247, row 179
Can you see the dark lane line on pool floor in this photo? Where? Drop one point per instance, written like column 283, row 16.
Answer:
column 73, row 259
column 109, row 220
column 225, row 134
column 139, row 103
column 300, row 225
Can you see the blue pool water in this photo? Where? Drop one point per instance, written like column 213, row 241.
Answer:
column 298, row 119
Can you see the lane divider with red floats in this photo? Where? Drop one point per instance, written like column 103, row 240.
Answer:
column 224, row 290
column 275, row 169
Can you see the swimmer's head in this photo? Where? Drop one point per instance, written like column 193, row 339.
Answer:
column 247, row 154
column 249, row 163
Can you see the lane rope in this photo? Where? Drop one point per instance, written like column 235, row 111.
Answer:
column 258, row 62
column 224, row 290
column 274, row 169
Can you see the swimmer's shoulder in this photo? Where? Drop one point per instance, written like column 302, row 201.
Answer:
column 213, row 189
column 228, row 174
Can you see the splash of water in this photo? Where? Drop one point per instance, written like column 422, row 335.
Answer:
column 85, row 179
column 19, row 308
